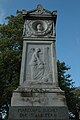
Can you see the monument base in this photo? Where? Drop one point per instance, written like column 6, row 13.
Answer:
column 38, row 113
column 38, row 97
column 38, row 104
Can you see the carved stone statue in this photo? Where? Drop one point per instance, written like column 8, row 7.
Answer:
column 40, row 69
column 37, row 66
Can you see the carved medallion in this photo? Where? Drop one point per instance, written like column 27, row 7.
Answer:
column 37, row 28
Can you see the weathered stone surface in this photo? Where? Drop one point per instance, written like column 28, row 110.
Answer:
column 38, row 97
column 38, row 113
column 38, row 63
column 43, row 23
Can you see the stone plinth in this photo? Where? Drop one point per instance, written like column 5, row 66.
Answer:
column 38, row 97
column 38, row 104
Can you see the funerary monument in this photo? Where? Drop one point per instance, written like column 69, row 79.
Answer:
column 38, row 96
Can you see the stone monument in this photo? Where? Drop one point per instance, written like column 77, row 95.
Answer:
column 38, row 96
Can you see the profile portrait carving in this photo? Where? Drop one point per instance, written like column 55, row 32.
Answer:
column 39, row 27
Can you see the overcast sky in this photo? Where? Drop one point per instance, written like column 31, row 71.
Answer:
column 68, row 28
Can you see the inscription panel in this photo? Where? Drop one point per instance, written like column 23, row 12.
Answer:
column 38, row 113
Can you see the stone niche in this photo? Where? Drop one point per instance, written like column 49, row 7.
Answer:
column 38, row 96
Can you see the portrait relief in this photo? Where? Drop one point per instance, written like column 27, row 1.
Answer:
column 39, row 27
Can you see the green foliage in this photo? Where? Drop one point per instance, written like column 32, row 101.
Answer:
column 77, row 91
column 66, row 84
column 10, row 56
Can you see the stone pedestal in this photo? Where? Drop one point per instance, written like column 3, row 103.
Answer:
column 38, row 104
column 38, row 96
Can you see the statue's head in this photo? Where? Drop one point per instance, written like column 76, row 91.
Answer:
column 37, row 49
column 39, row 27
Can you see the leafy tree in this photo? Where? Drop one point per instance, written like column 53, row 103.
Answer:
column 66, row 84
column 10, row 56
column 10, row 60
column 77, row 93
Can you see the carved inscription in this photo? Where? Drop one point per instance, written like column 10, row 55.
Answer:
column 39, row 113
column 36, row 113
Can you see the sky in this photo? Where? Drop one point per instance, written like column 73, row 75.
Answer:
column 67, row 28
